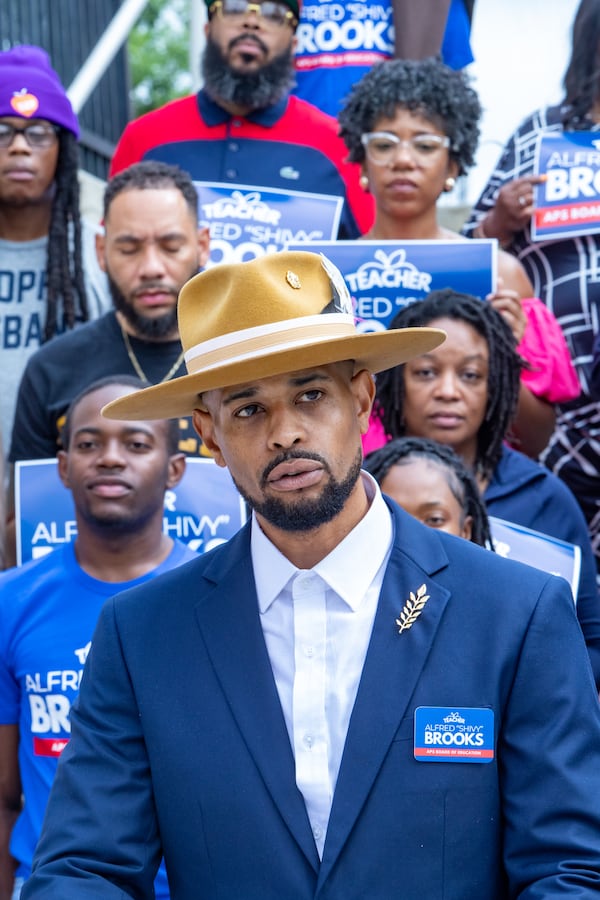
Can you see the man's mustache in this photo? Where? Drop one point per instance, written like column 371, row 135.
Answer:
column 291, row 454
column 158, row 286
column 249, row 37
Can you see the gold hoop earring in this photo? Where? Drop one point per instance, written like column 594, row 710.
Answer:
column 364, row 182
column 449, row 183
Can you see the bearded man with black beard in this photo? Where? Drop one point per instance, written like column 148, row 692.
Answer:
column 246, row 89
column 243, row 128
column 150, row 247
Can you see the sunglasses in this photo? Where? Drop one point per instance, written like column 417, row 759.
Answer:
column 270, row 11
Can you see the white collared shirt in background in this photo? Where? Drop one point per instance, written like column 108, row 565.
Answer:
column 317, row 625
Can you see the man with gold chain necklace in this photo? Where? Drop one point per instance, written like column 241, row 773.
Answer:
column 151, row 246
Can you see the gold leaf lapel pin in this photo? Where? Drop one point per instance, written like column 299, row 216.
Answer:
column 412, row 609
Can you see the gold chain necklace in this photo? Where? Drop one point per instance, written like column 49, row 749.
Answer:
column 136, row 363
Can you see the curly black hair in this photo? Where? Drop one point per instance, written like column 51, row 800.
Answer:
column 427, row 87
column 504, row 370
column 64, row 268
column 152, row 174
column 460, row 481
column 582, row 78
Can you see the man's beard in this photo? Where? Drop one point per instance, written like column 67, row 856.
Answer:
column 153, row 328
column 305, row 515
column 109, row 524
column 250, row 90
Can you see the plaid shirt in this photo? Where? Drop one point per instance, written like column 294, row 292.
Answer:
column 566, row 276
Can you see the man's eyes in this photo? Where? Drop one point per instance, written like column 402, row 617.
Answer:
column 169, row 247
column 311, row 395
column 245, row 412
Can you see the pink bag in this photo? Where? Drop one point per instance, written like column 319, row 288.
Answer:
column 552, row 375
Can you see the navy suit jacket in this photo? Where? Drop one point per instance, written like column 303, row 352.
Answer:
column 179, row 745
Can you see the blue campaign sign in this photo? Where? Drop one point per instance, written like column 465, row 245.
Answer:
column 246, row 221
column 568, row 201
column 204, row 510
column 538, row 550
column 385, row 276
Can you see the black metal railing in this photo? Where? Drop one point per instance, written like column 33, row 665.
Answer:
column 68, row 30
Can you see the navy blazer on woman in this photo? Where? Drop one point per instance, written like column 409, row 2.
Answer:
column 179, row 745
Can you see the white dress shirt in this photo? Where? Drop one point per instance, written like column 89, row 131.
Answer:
column 317, row 625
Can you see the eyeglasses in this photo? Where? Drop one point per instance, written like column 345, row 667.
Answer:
column 37, row 135
column 270, row 11
column 382, row 146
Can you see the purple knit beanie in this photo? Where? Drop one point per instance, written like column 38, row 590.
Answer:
column 29, row 87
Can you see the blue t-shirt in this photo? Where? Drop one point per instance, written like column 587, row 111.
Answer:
column 340, row 40
column 48, row 612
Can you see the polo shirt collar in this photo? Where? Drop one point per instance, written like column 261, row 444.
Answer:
column 213, row 114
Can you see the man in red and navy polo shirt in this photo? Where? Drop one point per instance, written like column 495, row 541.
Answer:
column 243, row 127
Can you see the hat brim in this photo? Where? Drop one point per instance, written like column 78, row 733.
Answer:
column 376, row 352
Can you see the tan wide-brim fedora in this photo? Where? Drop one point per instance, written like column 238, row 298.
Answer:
column 277, row 314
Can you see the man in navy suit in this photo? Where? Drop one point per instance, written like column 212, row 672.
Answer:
column 340, row 703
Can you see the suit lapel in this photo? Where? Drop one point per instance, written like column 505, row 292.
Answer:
column 230, row 625
column 392, row 669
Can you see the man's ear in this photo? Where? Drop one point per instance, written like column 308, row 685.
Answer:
column 204, row 426
column 101, row 251
column 176, row 469
column 203, row 247
column 63, row 466
column 363, row 387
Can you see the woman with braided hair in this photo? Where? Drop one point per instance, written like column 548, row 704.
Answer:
column 431, row 482
column 45, row 248
column 464, row 394
column 488, row 368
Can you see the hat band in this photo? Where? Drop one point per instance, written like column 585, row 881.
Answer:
column 267, row 339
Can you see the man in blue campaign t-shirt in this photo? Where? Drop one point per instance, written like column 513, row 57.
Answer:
column 118, row 473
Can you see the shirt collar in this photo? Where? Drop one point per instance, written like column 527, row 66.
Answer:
column 213, row 114
column 350, row 567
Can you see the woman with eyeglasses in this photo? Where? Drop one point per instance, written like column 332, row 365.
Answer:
column 413, row 127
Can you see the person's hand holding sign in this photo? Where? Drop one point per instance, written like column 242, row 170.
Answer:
column 508, row 304
column 512, row 211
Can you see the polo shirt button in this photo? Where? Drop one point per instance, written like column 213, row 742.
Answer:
column 231, row 173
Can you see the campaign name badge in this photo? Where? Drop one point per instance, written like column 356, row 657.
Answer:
column 454, row 734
